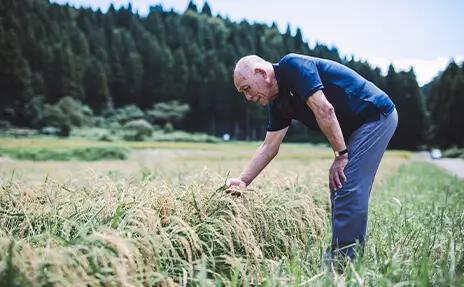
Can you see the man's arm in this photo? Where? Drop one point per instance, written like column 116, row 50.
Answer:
column 263, row 155
column 327, row 120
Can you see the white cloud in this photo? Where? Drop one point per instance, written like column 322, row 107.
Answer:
column 425, row 70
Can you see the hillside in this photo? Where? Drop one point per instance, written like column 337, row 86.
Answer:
column 104, row 64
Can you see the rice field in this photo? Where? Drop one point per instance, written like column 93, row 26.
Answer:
column 161, row 218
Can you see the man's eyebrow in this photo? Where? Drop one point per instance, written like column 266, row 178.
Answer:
column 242, row 87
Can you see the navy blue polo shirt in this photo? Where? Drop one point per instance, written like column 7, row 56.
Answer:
column 355, row 100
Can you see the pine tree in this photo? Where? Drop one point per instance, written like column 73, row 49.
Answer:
column 63, row 80
column 206, row 10
column 15, row 78
column 97, row 94
column 134, row 76
column 192, row 7
column 441, row 104
column 181, row 70
column 404, row 91
column 117, row 79
column 154, row 23
column 289, row 41
column 457, row 116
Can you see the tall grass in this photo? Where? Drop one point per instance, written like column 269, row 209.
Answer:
column 116, row 232
column 151, row 232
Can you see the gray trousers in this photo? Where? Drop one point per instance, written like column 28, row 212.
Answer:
column 366, row 147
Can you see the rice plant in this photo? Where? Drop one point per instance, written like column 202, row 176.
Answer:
column 172, row 224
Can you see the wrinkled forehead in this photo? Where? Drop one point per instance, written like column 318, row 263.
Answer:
column 241, row 77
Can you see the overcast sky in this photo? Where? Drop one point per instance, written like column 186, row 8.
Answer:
column 424, row 34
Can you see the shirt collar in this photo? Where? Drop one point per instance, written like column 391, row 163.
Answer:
column 278, row 76
column 277, row 72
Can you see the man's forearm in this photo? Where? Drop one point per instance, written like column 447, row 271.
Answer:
column 330, row 126
column 260, row 160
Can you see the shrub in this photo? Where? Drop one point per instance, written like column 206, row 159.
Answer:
column 105, row 138
column 181, row 136
column 89, row 133
column 454, row 153
column 53, row 116
column 138, row 130
column 127, row 114
column 75, row 112
column 99, row 122
column 168, row 128
column 5, row 124
column 167, row 112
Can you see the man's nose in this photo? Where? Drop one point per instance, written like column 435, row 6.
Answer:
column 248, row 96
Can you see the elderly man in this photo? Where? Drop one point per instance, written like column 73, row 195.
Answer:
column 357, row 118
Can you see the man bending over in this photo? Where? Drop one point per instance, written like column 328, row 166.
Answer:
column 357, row 118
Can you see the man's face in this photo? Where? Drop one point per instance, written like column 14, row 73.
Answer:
column 256, row 86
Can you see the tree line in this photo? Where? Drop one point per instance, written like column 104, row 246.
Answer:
column 51, row 53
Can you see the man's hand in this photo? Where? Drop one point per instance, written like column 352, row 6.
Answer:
column 261, row 158
column 337, row 175
column 235, row 186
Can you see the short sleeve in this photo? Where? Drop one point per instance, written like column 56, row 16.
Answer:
column 302, row 75
column 277, row 120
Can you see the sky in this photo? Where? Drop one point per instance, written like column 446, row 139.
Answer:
column 423, row 34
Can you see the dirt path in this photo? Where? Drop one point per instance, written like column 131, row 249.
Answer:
column 453, row 165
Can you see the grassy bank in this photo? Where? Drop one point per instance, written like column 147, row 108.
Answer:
column 21, row 148
column 92, row 153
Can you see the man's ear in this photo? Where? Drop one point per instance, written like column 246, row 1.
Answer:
column 261, row 71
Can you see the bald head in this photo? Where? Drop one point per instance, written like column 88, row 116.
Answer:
column 247, row 67
column 247, row 64
column 255, row 77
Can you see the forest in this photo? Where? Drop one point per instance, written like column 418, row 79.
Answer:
column 67, row 67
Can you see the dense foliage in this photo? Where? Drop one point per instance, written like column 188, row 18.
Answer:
column 445, row 100
column 62, row 66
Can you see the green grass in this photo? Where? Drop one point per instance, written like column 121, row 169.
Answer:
column 417, row 229
column 71, row 149
column 50, row 142
column 158, row 231
column 67, row 154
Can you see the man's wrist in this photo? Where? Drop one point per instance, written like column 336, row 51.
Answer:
column 245, row 179
column 340, row 153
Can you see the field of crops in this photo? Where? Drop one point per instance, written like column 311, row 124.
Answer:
column 160, row 218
